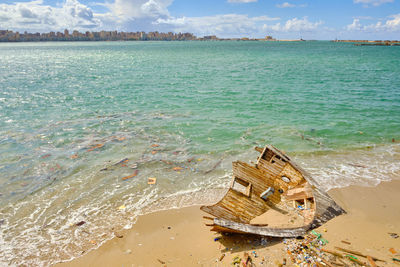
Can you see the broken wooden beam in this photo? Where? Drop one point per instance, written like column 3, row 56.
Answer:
column 337, row 254
column 371, row 261
column 357, row 253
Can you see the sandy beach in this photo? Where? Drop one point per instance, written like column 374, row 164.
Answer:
column 179, row 237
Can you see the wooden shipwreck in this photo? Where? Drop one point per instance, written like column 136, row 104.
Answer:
column 273, row 197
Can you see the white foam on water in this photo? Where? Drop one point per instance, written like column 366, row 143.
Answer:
column 365, row 167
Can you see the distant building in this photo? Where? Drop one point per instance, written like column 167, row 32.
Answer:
column 10, row 36
column 210, row 37
column 269, row 38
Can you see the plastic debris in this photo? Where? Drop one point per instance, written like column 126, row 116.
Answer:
column 125, row 160
column 319, row 237
column 80, row 223
column 74, row 156
column 217, row 238
column 248, row 259
column 177, row 168
column 155, row 145
column 45, row 156
column 151, row 180
column 236, row 260
column 394, row 259
column 305, row 251
column 119, row 235
column 133, row 166
column 353, row 258
column 95, row 147
column 122, row 207
column 222, row 257
column 392, row 250
column 394, row 235
column 131, row 176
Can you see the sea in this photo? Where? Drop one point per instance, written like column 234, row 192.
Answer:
column 84, row 125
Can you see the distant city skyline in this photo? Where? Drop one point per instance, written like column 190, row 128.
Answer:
column 307, row 19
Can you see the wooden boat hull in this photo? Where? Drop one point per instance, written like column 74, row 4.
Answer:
column 271, row 184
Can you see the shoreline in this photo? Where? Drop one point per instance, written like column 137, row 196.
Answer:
column 178, row 237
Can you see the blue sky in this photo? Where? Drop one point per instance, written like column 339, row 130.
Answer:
column 309, row 19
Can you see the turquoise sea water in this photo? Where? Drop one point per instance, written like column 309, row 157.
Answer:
column 69, row 112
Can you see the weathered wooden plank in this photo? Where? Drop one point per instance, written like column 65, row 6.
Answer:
column 260, row 230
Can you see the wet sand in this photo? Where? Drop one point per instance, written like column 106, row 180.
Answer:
column 180, row 237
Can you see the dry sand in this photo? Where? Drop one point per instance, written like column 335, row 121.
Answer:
column 180, row 237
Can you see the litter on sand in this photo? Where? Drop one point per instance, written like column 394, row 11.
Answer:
column 151, row 180
column 394, row 235
column 80, row 223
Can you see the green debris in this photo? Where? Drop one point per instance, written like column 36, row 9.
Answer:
column 319, row 237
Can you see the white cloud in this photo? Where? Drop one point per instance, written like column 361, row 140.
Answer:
column 227, row 25
column 363, row 17
column 242, row 1
column 71, row 14
column 367, row 3
column 139, row 9
column 289, row 5
column 390, row 25
column 355, row 26
column 285, row 5
column 35, row 16
column 295, row 25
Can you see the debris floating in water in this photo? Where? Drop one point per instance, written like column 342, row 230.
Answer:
column 131, row 176
column 95, row 147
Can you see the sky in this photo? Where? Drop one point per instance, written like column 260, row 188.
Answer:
column 291, row 19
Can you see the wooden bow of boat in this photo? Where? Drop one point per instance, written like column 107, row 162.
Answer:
column 273, row 197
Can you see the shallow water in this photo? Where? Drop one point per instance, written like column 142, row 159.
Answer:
column 71, row 111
